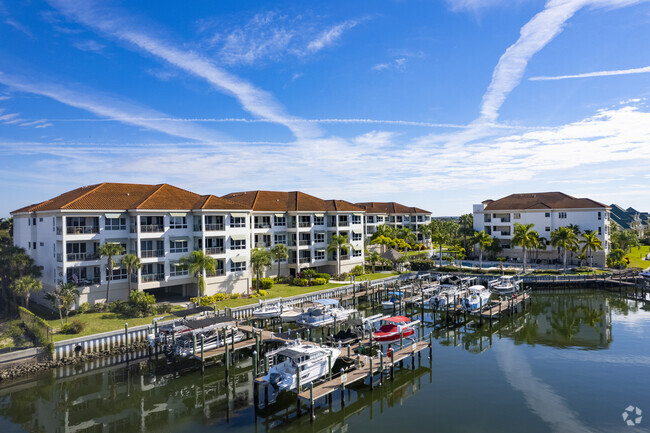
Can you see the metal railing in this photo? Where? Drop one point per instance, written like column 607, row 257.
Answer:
column 79, row 257
column 305, row 242
column 179, row 273
column 152, row 228
column 214, row 250
column 152, row 253
column 304, row 224
column 262, row 225
column 305, row 259
column 147, row 278
column 82, row 230
column 212, row 227
column 216, row 273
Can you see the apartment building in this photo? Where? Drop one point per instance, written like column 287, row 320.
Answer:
column 158, row 223
column 630, row 219
column 162, row 223
column 395, row 215
column 547, row 211
column 305, row 224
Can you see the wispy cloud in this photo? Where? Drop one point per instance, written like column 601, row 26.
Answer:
column 254, row 100
column 89, row 45
column 643, row 70
column 476, row 5
column 108, row 106
column 18, row 26
column 331, row 35
column 399, row 64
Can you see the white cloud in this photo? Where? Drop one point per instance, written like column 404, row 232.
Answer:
column 476, row 5
column 643, row 70
column 89, row 45
column 330, row 36
column 20, row 27
column 254, row 100
column 398, row 64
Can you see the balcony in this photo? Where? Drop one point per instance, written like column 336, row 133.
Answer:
column 211, row 227
column 197, row 227
column 505, row 220
column 305, row 259
column 305, row 243
column 214, row 250
column 59, row 257
column 148, row 278
column 152, row 228
column 79, row 257
column 59, row 230
column 347, row 257
column 216, row 273
column 145, row 254
column 82, row 230
column 304, row 224
column 179, row 273
column 262, row 225
column 344, row 224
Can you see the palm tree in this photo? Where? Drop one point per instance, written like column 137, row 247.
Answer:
column 55, row 299
column 483, row 240
column 565, row 239
column 110, row 250
column 68, row 296
column 373, row 258
column 197, row 263
column 279, row 253
column 438, row 236
column 540, row 245
column 427, row 231
column 524, row 236
column 408, row 236
column 339, row 243
column 25, row 286
column 260, row 260
column 131, row 263
column 384, row 241
column 466, row 229
column 591, row 243
column 383, row 230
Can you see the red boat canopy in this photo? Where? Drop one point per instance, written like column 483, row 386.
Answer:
column 397, row 319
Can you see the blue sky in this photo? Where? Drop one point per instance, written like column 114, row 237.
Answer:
column 436, row 104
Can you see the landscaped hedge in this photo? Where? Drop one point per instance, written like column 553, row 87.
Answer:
column 265, row 283
column 325, row 276
column 37, row 326
column 318, row 282
column 303, row 282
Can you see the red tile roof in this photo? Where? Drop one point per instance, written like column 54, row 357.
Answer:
column 292, row 201
column 541, row 200
column 389, row 207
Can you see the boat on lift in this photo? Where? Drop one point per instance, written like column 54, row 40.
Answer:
column 395, row 297
column 215, row 332
column 478, row 297
column 645, row 275
column 394, row 327
column 178, row 323
column 268, row 310
column 312, row 361
column 505, row 285
column 324, row 312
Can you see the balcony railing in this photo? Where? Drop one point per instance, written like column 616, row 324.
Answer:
column 319, row 240
column 505, row 220
column 152, row 253
column 262, row 225
column 305, row 242
column 84, row 281
column 147, row 278
column 179, row 250
column 152, row 228
column 214, row 250
column 344, row 224
column 304, row 224
column 305, row 259
column 59, row 257
column 82, row 230
column 197, row 227
column 59, row 230
column 216, row 273
column 179, row 273
column 345, row 257
column 212, row 227
column 504, row 233
column 78, row 257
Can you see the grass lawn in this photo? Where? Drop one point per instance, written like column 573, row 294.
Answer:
column 278, row 291
column 13, row 335
column 636, row 257
column 376, row 276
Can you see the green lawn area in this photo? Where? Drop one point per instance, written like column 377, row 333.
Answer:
column 636, row 257
column 12, row 334
column 278, row 291
column 376, row 276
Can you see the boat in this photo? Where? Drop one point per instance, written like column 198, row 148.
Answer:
column 395, row 298
column 181, row 322
column 312, row 361
column 394, row 327
column 268, row 311
column 323, row 313
column 478, row 297
column 505, row 285
column 645, row 275
column 214, row 330
column 291, row 315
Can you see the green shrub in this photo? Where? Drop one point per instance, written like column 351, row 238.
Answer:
column 263, row 292
column 324, row 275
column 142, row 302
column 234, row 296
column 357, row 271
column 300, row 282
column 84, row 308
column 318, row 282
column 163, row 308
column 309, row 273
column 265, row 283
column 74, row 327
column 422, row 265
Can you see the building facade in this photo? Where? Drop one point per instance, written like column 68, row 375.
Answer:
column 546, row 211
column 630, row 219
column 395, row 215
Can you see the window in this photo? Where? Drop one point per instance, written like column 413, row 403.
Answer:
column 547, row 214
column 262, row 222
column 237, row 221
column 280, row 221
column 356, row 253
column 600, row 216
column 281, row 239
column 177, row 270
column 397, row 219
column 356, row 236
column 41, row 244
column 370, row 219
column 319, row 238
column 356, row 219
column 178, row 245
column 120, row 274
column 319, row 221
column 305, row 221
column 33, row 221
column 237, row 266
column 262, row 241
column 237, row 244
column 34, row 245
column 319, row 255
column 517, row 216
column 40, row 220
column 178, row 222
column 600, row 231
column 380, row 219
column 407, row 218
column 115, row 224
column 547, row 229
column 561, row 215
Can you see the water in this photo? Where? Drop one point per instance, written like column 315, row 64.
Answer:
column 570, row 363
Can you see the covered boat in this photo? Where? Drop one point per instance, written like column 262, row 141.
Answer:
column 268, row 311
column 505, row 285
column 324, row 312
column 215, row 331
column 477, row 298
column 392, row 328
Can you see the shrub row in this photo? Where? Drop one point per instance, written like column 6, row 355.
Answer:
column 265, row 283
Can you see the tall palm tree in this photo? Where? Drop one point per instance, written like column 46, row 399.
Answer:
column 68, row 296
column 131, row 263
column 279, row 252
column 197, row 263
column 25, row 286
column 591, row 243
column 408, row 236
column 339, row 243
column 384, row 241
column 483, row 240
column 540, row 245
column 260, row 260
column 426, row 231
column 54, row 297
column 439, row 236
column 373, row 258
column 565, row 239
column 466, row 229
column 384, row 230
column 524, row 236
column 109, row 250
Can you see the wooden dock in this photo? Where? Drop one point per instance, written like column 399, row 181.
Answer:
column 497, row 308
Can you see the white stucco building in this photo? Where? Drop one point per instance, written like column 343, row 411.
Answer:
column 395, row 215
column 547, row 211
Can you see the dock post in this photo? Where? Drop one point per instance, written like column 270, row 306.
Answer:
column 329, row 365
column 266, row 395
column 348, row 350
column 266, row 365
column 381, row 368
column 370, row 374
column 126, row 340
column 226, row 357
column 193, row 344
column 255, row 364
column 342, row 389
column 298, row 391
column 202, row 357
column 392, row 364
column 430, row 345
column 312, row 416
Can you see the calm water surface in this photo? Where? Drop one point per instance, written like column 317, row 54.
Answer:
column 569, row 363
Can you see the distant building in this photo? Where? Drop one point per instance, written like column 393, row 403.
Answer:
column 547, row 211
column 395, row 215
column 630, row 219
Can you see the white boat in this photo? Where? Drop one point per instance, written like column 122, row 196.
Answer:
column 290, row 316
column 212, row 329
column 478, row 297
column 181, row 322
column 505, row 285
column 268, row 311
column 312, row 361
column 324, row 312
column 393, row 301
